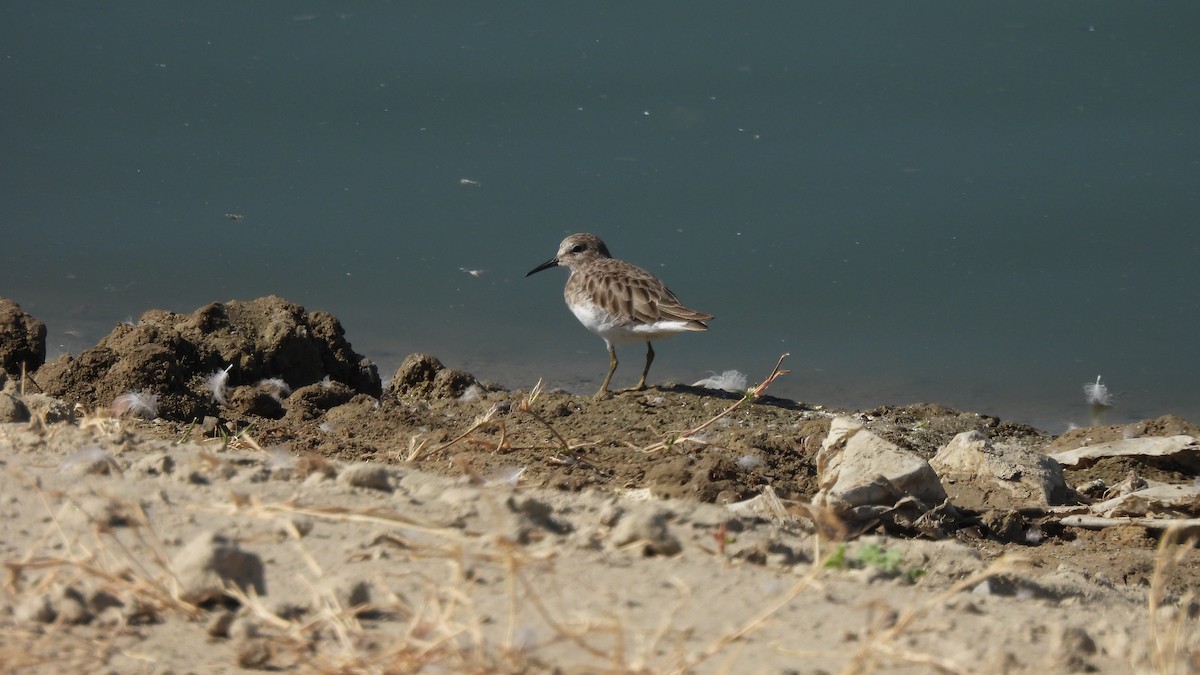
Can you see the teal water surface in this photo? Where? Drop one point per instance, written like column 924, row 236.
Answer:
column 985, row 205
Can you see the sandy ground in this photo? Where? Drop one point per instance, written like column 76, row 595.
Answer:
column 440, row 524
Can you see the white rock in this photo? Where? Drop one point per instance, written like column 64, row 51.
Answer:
column 366, row 475
column 1183, row 449
column 857, row 468
column 1172, row 500
column 647, row 524
column 12, row 409
column 970, row 460
column 49, row 409
column 35, row 609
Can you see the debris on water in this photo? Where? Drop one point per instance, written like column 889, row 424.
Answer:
column 1097, row 393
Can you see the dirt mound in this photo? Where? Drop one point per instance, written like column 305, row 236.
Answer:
column 190, row 361
column 22, row 339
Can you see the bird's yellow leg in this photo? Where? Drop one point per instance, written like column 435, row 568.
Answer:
column 649, row 359
column 612, row 368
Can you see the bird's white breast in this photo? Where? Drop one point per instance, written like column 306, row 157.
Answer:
column 600, row 322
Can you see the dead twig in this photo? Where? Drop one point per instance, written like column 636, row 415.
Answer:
column 419, row 453
column 526, row 407
column 751, row 395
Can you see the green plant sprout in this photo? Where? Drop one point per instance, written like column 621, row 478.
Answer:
column 890, row 562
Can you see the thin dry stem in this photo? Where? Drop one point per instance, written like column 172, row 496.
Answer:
column 526, row 406
column 751, row 394
column 1170, row 643
column 420, row 453
column 756, row 622
column 884, row 643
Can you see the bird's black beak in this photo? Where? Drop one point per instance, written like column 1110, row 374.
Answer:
column 553, row 262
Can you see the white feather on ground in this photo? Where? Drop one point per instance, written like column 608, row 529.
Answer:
column 136, row 403
column 730, row 380
column 218, row 384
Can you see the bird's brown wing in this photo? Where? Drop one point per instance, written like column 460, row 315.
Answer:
column 631, row 293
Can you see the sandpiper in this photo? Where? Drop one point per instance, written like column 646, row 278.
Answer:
column 618, row 301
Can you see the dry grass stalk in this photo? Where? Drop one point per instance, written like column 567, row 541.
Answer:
column 419, row 452
column 1173, row 645
column 881, row 650
column 274, row 510
column 754, row 624
column 526, row 407
column 125, row 571
column 751, row 395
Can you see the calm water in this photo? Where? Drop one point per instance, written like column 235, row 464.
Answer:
column 979, row 204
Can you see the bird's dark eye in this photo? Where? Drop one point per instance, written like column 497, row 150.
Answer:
column 577, row 248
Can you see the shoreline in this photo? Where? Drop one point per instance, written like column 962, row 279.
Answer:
column 1055, row 414
column 441, row 522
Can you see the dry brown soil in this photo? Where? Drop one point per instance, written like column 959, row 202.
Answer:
column 493, row 539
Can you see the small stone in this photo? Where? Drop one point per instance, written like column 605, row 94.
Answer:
column 92, row 461
column 452, row 383
column 859, row 468
column 157, row 464
column 208, row 426
column 349, row 591
column 258, row 401
column 134, row 612
column 610, row 513
column 991, row 475
column 288, row 610
column 315, row 479
column 72, row 610
column 647, row 524
column 301, row 525
column 366, row 475
column 254, row 654
column 218, row 625
column 212, row 560
column 530, row 519
column 1070, row 651
column 35, row 609
column 12, row 409
column 92, row 510
column 101, row 600
column 22, row 339
column 415, row 376
column 242, row 628
column 48, row 409
column 109, row 618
